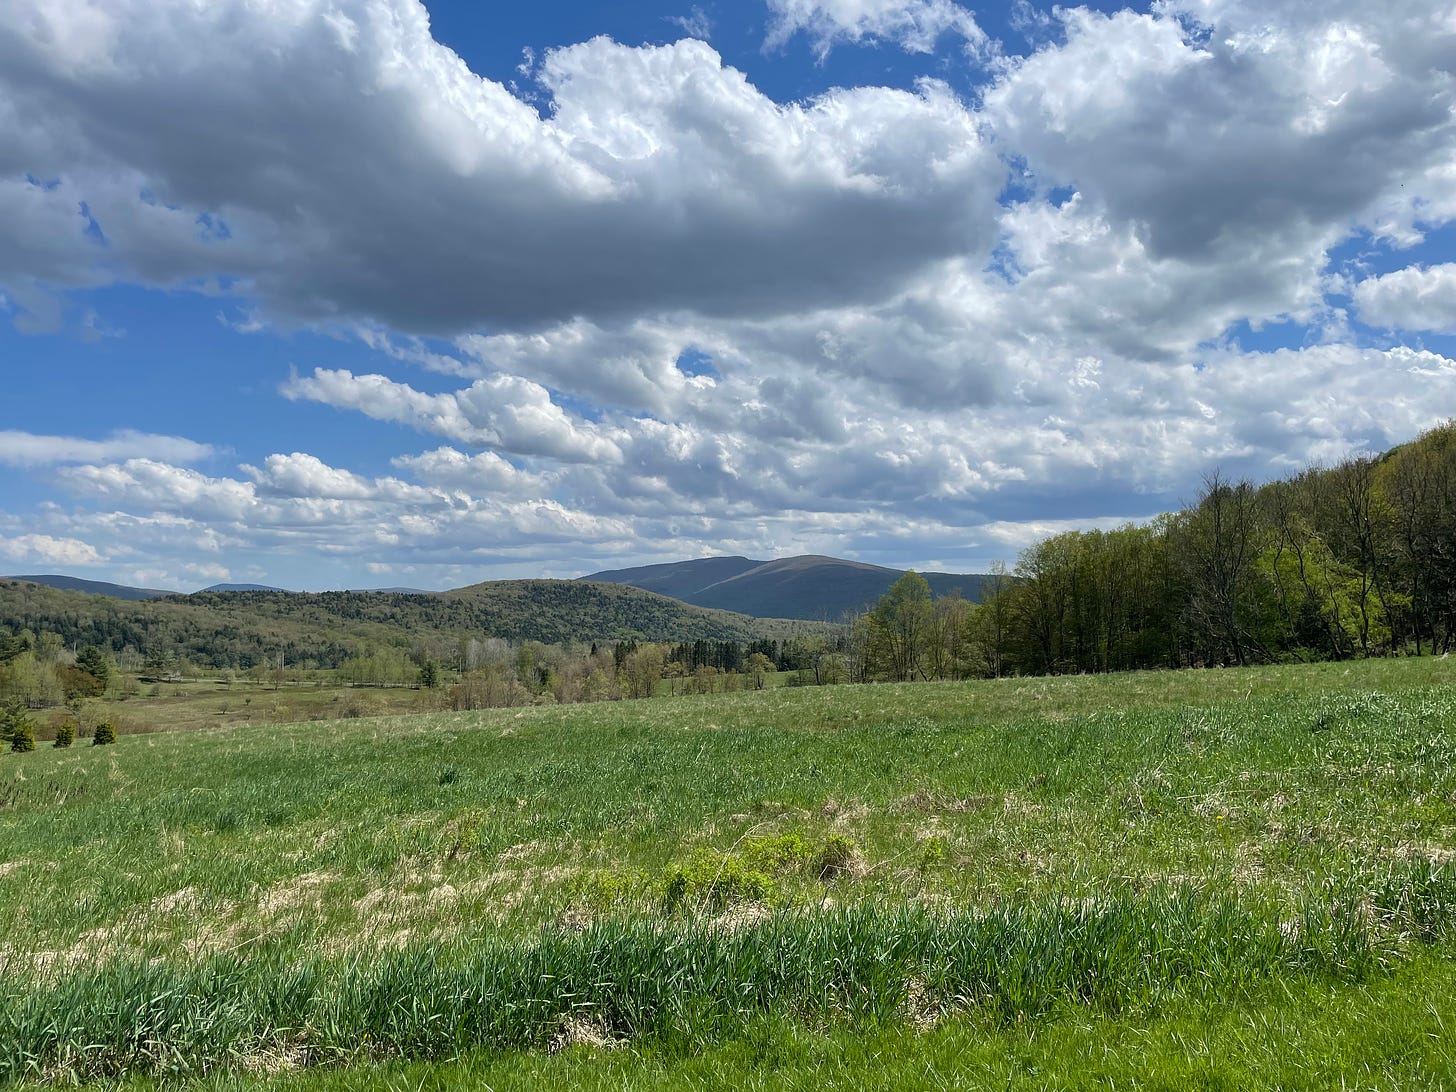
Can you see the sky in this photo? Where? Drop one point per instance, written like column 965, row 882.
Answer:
column 369, row 293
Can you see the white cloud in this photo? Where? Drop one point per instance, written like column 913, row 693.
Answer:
column 1413, row 298
column 303, row 475
column 631, row 366
column 916, row 26
column 505, row 412
column 45, row 550
column 28, row 449
column 345, row 165
column 299, row 504
column 483, row 475
column 158, row 486
column 1274, row 129
column 695, row 24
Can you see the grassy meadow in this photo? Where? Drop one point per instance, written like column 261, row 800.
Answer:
column 207, row 702
column 1226, row 878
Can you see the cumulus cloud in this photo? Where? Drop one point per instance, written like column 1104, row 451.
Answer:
column 485, row 474
column 505, row 412
column 45, row 550
column 1414, row 298
column 1261, row 128
column 303, row 475
column 299, row 503
column 156, row 486
column 388, row 182
column 28, row 449
column 916, row 26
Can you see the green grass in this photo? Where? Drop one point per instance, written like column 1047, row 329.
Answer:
column 1391, row 1034
column 186, row 705
column 1254, row 817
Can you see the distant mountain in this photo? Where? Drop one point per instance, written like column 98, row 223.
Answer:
column 679, row 579
column 240, row 587
column 808, row 587
column 92, row 587
column 243, row 628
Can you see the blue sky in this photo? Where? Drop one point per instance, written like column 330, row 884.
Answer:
column 351, row 293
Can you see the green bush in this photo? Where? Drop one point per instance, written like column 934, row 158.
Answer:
column 105, row 733
column 754, row 872
column 22, row 736
column 65, row 733
column 710, row 879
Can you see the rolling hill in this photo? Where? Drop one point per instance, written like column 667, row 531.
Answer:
column 92, row 587
column 807, row 587
column 243, row 628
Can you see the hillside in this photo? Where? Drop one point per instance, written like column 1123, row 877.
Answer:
column 244, row 628
column 92, row 587
column 807, row 587
column 679, row 579
column 558, row 610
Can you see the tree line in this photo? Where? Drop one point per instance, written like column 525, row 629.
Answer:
column 1358, row 559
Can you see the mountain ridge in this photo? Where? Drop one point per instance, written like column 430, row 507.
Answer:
column 809, row 587
column 241, row 629
column 93, row 587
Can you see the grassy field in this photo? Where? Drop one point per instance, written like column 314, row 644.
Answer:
column 1227, row 876
column 186, row 705
column 235, row 701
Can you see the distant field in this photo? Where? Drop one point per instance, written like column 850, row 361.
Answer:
column 209, row 701
column 212, row 702
column 1243, row 875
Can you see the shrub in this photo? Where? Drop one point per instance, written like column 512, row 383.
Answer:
column 22, row 736
column 752, row 874
column 105, row 733
column 710, row 879
column 65, row 733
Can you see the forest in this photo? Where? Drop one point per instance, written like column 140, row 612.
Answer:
column 1353, row 560
column 1358, row 559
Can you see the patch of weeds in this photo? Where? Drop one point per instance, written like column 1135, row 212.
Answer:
column 461, row 836
column 932, row 853
column 774, row 853
column 755, row 870
column 715, row 880
column 613, row 888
